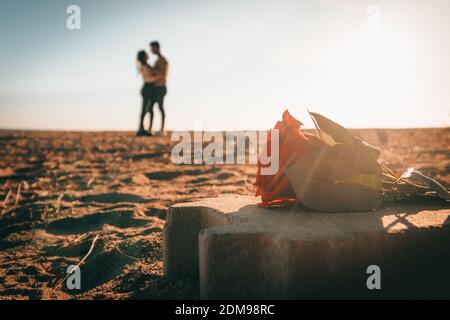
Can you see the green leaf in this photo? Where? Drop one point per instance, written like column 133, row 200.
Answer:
column 317, row 179
column 332, row 133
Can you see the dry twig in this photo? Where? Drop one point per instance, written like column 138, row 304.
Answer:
column 79, row 263
column 59, row 203
column 18, row 195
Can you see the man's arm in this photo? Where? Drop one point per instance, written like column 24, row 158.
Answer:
column 154, row 75
column 164, row 69
column 161, row 68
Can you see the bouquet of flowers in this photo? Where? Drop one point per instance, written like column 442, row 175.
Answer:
column 335, row 170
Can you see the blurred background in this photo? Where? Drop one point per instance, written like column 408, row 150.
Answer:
column 233, row 64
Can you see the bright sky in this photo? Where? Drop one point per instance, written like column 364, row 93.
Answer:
column 233, row 64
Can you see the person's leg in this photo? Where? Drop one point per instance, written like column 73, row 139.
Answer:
column 161, row 96
column 150, row 108
column 145, row 103
column 163, row 114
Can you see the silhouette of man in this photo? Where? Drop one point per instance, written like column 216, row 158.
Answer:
column 161, row 67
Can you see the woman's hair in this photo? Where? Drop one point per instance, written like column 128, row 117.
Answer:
column 141, row 57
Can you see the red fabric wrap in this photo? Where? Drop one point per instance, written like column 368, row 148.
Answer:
column 276, row 189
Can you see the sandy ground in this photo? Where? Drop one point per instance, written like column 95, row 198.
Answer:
column 75, row 186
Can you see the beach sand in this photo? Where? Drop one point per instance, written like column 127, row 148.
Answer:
column 77, row 185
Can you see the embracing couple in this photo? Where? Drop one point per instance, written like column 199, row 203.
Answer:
column 154, row 89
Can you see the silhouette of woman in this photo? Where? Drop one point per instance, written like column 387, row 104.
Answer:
column 148, row 90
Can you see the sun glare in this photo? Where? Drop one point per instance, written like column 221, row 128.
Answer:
column 381, row 58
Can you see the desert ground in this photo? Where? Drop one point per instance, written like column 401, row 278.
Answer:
column 60, row 190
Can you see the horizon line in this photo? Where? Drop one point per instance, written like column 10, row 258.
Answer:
column 195, row 130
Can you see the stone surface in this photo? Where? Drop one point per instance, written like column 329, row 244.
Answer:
column 238, row 250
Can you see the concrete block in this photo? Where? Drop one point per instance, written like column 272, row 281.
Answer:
column 240, row 251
